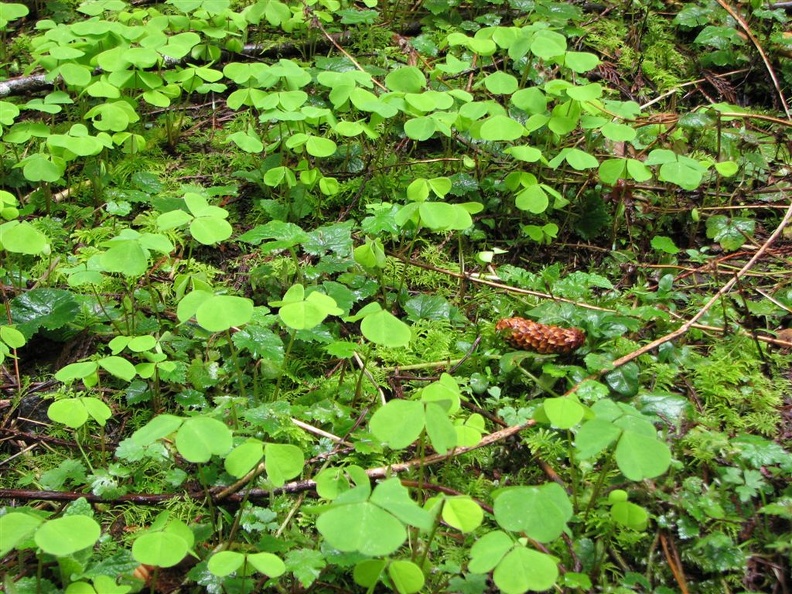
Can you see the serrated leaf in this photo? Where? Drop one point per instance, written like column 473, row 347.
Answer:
column 427, row 307
column 285, row 234
column 48, row 308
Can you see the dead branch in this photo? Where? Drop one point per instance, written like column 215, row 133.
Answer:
column 744, row 26
column 237, row 496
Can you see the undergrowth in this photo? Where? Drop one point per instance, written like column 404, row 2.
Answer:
column 254, row 255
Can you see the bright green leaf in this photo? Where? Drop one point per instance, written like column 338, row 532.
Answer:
column 201, row 437
column 406, row 576
column 525, row 569
column 398, row 423
column 160, row 549
column 462, row 513
column 67, row 535
column 362, row 527
column 541, row 512
column 640, row 457
column 223, row 312
column 384, row 328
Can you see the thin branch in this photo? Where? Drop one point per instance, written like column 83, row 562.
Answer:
column 319, row 432
column 369, row 376
column 292, row 487
column 715, row 298
column 482, row 281
column 346, row 54
column 744, row 26
column 681, row 86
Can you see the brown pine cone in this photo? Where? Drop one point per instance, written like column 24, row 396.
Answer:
column 532, row 336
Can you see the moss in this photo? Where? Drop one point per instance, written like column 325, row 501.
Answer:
column 654, row 49
column 738, row 396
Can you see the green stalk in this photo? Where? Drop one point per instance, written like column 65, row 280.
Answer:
column 39, row 572
column 283, row 367
column 237, row 366
column 209, row 502
column 430, row 538
column 573, row 471
column 238, row 516
column 298, row 274
column 598, row 487
column 99, row 302
column 157, row 393
column 359, row 383
column 535, row 379
column 403, row 278
column 256, row 383
column 82, row 451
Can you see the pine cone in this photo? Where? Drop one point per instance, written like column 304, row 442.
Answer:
column 532, row 336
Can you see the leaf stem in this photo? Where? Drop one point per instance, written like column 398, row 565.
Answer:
column 283, row 365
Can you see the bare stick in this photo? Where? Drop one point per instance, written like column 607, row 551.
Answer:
column 723, row 290
column 744, row 26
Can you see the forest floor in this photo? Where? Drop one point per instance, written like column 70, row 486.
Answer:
column 434, row 297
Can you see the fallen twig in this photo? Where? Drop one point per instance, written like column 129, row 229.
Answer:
column 292, row 487
column 714, row 299
column 744, row 26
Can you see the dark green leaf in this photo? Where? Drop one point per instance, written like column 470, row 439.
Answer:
column 261, row 343
column 47, row 308
column 624, row 379
column 427, row 307
column 335, row 238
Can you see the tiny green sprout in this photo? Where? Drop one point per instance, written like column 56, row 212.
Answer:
column 630, row 515
column 487, row 256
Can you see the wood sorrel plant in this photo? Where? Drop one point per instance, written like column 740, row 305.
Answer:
column 181, row 168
